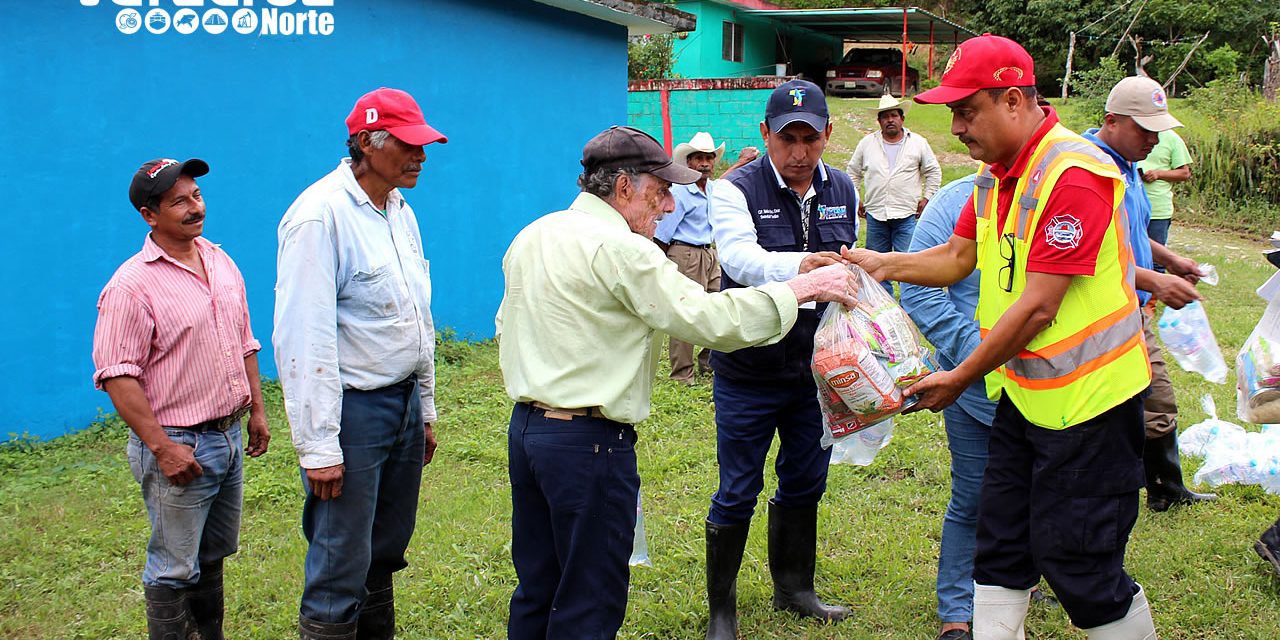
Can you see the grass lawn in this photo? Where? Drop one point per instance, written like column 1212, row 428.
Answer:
column 73, row 528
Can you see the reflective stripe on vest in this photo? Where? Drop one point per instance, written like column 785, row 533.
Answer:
column 1093, row 356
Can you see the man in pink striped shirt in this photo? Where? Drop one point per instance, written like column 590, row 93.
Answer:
column 174, row 350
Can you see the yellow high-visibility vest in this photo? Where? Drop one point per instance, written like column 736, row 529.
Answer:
column 1092, row 356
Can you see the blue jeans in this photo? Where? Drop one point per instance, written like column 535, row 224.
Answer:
column 1159, row 231
column 195, row 523
column 574, row 486
column 747, row 416
column 361, row 536
column 890, row 235
column 967, row 437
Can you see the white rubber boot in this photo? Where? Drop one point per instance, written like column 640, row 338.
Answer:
column 1135, row 625
column 998, row 612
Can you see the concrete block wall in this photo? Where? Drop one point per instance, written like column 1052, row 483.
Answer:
column 730, row 109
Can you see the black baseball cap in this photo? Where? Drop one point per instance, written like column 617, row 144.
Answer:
column 157, row 176
column 796, row 100
column 629, row 148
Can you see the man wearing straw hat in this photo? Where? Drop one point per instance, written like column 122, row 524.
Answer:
column 901, row 175
column 685, row 235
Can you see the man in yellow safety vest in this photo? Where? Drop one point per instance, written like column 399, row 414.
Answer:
column 1062, row 350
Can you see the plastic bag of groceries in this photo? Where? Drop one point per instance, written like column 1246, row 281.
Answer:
column 1258, row 364
column 1189, row 339
column 863, row 357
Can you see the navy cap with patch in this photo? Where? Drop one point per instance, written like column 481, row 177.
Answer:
column 796, row 101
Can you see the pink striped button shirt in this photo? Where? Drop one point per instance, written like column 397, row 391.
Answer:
column 183, row 339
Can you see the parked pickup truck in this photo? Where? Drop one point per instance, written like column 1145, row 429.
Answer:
column 866, row 72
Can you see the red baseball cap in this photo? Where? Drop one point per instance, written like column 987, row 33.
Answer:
column 394, row 111
column 984, row 62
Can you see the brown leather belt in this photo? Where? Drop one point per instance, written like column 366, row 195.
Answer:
column 220, row 424
column 557, row 413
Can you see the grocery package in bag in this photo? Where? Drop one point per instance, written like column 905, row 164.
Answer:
column 1258, row 363
column 863, row 357
column 1189, row 339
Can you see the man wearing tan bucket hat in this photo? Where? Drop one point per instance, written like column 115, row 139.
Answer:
column 1137, row 112
column 685, row 235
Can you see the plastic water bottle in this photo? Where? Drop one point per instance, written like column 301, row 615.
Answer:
column 1187, row 334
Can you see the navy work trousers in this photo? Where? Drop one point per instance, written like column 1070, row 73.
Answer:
column 574, row 486
column 361, row 536
column 1062, row 503
column 747, row 415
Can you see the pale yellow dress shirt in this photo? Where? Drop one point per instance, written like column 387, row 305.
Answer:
column 584, row 299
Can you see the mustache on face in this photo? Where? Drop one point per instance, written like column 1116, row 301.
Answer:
column 412, row 167
column 191, row 219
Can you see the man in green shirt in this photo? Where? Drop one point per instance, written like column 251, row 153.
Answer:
column 1168, row 162
column 586, row 291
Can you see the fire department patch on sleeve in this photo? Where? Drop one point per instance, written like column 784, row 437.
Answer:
column 1064, row 231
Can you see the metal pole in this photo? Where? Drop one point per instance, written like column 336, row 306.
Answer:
column 903, row 83
column 664, row 95
column 931, row 49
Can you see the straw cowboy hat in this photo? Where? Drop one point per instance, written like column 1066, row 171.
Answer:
column 889, row 103
column 700, row 142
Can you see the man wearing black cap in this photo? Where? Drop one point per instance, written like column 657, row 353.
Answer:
column 586, row 289
column 786, row 213
column 174, row 350
column 355, row 348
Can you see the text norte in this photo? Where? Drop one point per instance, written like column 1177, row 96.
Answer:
column 271, row 21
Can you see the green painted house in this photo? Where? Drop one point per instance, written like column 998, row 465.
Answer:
column 729, row 42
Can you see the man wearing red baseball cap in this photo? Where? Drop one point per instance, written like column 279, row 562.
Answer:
column 1062, row 350
column 355, row 348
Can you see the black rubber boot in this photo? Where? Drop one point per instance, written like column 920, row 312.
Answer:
column 206, row 601
column 724, row 557
column 309, row 629
column 1164, row 475
column 1268, row 546
column 169, row 614
column 793, row 543
column 377, row 619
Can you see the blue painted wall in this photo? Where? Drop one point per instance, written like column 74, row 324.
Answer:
column 516, row 85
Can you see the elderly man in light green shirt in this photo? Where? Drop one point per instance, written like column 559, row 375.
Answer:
column 586, row 293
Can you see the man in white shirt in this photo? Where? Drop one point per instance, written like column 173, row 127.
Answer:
column 901, row 175
column 685, row 235
column 354, row 347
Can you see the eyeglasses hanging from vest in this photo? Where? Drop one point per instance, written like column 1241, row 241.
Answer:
column 1007, row 252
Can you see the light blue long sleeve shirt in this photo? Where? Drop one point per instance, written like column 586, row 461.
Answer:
column 689, row 223
column 947, row 318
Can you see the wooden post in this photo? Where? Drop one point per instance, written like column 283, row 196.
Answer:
column 1185, row 61
column 1271, row 68
column 1066, row 77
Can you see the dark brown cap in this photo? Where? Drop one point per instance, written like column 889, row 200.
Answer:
column 634, row 150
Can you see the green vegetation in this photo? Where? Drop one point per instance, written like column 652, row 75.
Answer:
column 73, row 528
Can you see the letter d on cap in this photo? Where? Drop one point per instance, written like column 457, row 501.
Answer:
column 370, row 116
